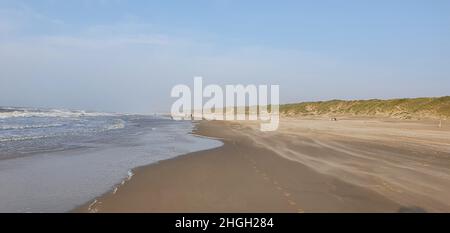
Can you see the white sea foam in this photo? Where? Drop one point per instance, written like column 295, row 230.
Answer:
column 91, row 208
column 22, row 138
column 13, row 127
column 119, row 124
column 24, row 112
column 130, row 175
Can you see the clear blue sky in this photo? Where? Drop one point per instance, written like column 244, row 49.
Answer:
column 116, row 55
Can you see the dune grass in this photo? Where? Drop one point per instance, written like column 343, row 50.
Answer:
column 414, row 108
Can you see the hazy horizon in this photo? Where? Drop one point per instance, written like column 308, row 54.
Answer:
column 125, row 56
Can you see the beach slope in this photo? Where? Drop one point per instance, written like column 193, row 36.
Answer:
column 311, row 165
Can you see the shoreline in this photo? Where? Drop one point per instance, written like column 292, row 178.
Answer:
column 88, row 206
column 89, row 165
column 113, row 190
column 240, row 177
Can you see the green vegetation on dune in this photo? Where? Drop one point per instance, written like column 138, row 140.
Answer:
column 397, row 108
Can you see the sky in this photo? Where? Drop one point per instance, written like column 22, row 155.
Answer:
column 125, row 56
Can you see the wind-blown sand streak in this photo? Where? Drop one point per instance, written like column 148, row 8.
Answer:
column 407, row 162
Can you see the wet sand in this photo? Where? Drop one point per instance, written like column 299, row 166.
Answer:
column 308, row 165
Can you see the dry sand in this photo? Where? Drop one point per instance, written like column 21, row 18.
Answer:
column 308, row 165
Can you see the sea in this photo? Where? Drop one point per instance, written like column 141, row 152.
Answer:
column 54, row 160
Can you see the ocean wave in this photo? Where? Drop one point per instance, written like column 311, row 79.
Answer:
column 70, row 131
column 22, row 138
column 24, row 112
column 39, row 126
column 119, row 124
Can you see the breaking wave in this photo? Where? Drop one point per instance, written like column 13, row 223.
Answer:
column 29, row 112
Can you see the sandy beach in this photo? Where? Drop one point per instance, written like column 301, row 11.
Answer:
column 308, row 165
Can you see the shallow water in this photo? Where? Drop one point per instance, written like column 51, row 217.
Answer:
column 53, row 163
